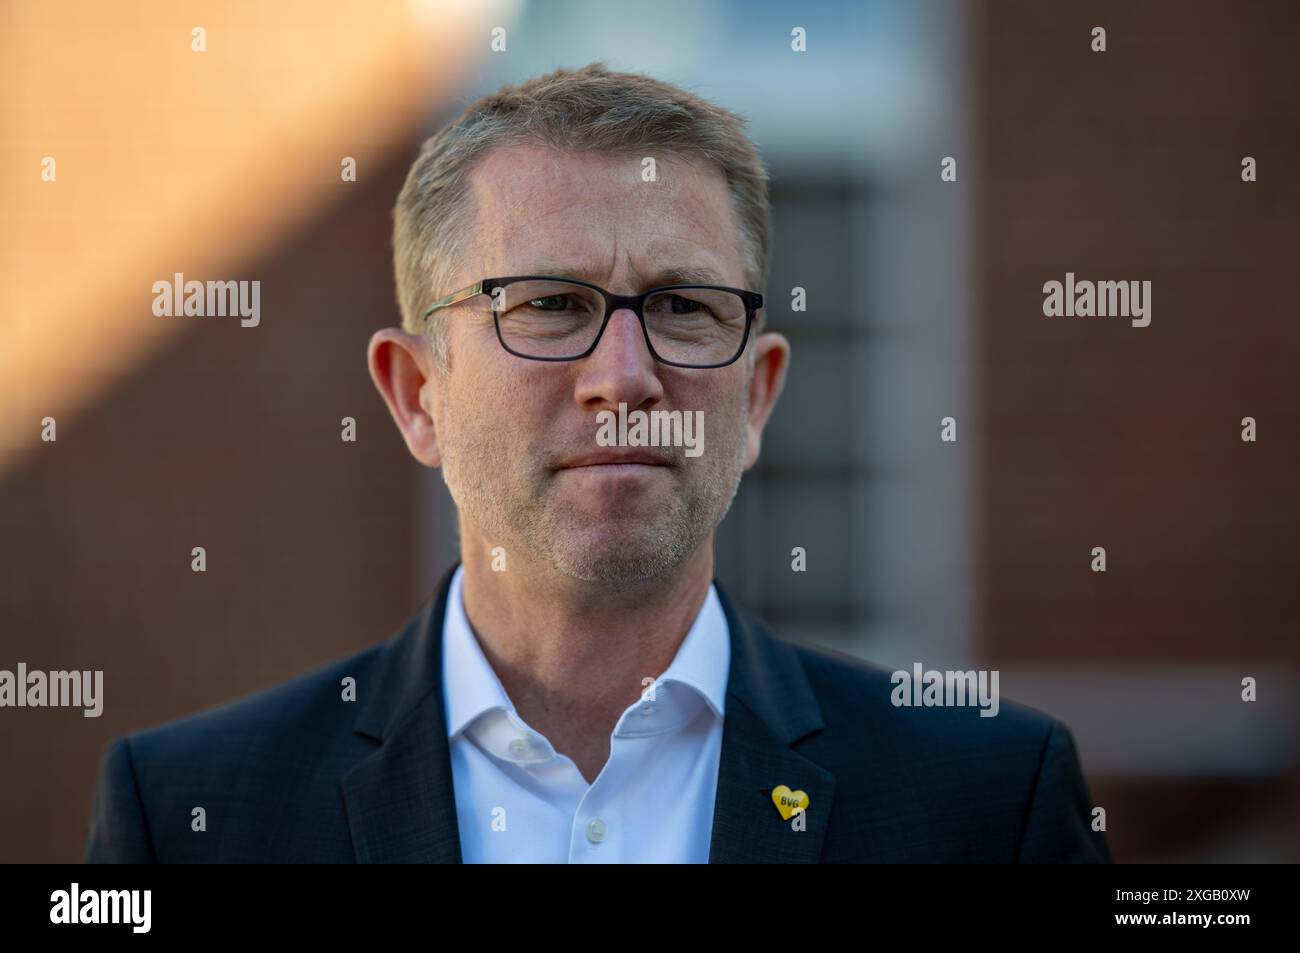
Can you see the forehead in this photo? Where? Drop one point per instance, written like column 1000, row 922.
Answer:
column 595, row 216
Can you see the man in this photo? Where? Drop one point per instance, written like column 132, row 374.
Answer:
column 569, row 252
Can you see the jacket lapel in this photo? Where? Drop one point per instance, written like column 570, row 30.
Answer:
column 770, row 706
column 401, row 805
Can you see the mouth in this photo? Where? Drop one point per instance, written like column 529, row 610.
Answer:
column 614, row 469
column 614, row 473
column 635, row 462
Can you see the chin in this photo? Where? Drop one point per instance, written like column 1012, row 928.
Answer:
column 617, row 558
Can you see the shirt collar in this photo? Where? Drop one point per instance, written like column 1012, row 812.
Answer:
column 697, row 677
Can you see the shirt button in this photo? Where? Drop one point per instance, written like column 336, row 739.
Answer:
column 519, row 748
column 647, row 710
column 595, row 830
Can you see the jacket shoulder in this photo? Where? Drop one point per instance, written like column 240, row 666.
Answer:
column 945, row 783
column 850, row 687
column 305, row 706
column 945, row 754
column 263, row 768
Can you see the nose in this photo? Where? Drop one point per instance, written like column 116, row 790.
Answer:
column 620, row 370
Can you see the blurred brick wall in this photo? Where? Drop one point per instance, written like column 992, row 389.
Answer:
column 1126, row 165
column 228, row 439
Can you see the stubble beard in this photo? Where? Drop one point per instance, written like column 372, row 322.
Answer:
column 524, row 510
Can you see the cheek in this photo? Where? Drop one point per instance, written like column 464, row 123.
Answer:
column 724, row 405
column 480, row 377
column 508, row 404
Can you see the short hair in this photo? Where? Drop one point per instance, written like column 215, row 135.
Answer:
column 590, row 109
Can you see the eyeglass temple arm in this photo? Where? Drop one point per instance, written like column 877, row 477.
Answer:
column 455, row 296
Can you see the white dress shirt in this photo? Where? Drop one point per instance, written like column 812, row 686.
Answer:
column 518, row 800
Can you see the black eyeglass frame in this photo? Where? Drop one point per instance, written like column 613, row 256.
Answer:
column 752, row 299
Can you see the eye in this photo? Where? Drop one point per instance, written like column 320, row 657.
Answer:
column 677, row 300
column 539, row 307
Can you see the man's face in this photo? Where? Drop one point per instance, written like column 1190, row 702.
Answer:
column 507, row 428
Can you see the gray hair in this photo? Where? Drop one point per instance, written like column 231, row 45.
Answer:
column 589, row 109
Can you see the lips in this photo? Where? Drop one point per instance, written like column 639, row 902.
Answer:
column 614, row 458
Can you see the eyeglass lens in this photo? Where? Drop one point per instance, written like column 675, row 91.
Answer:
column 559, row 319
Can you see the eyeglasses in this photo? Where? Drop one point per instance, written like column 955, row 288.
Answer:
column 542, row 318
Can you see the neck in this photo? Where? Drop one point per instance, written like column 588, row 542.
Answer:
column 569, row 652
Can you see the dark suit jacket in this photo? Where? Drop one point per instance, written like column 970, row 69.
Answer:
column 296, row 774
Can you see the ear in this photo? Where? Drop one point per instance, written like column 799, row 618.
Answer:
column 402, row 367
column 771, row 358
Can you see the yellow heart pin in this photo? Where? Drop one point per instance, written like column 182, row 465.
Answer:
column 787, row 801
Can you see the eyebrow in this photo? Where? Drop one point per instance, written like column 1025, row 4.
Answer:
column 673, row 275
